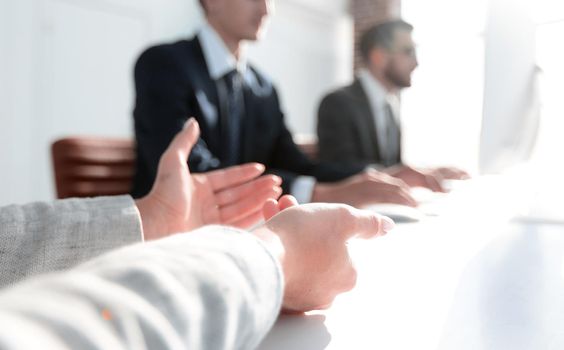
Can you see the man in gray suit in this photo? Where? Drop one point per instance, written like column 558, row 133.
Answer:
column 215, row 288
column 42, row 237
column 360, row 123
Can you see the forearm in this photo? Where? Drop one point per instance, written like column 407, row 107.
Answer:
column 215, row 288
column 44, row 237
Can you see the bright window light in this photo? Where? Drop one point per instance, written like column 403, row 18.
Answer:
column 442, row 111
column 549, row 56
column 545, row 11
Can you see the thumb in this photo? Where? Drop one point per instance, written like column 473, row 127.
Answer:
column 368, row 224
column 186, row 139
column 269, row 209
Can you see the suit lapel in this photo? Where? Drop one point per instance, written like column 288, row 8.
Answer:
column 203, row 81
column 367, row 126
column 258, row 115
column 206, row 95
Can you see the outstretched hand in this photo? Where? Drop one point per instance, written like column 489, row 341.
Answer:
column 428, row 178
column 273, row 206
column 417, row 177
column 368, row 187
column 451, row 173
column 311, row 243
column 180, row 201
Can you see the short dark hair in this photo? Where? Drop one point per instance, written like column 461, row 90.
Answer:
column 381, row 35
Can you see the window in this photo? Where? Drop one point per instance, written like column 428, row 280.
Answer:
column 549, row 17
column 442, row 111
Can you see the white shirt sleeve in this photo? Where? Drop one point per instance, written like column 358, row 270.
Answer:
column 302, row 188
column 215, row 288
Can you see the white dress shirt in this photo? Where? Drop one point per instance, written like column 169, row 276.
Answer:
column 221, row 61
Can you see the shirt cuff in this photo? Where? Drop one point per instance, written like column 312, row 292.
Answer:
column 302, row 188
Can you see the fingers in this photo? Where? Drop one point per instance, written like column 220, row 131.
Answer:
column 238, row 192
column 383, row 177
column 369, row 225
column 391, row 189
column 249, row 221
column 286, row 202
column 366, row 224
column 238, row 210
column 183, row 142
column 225, row 178
column 393, row 194
column 453, row 173
column 400, row 197
column 433, row 183
column 270, row 208
column 414, row 177
column 460, row 175
column 273, row 207
column 463, row 175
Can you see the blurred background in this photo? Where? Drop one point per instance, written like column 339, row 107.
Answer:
column 486, row 95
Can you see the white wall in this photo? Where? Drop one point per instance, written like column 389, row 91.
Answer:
column 15, row 93
column 547, row 151
column 65, row 68
column 307, row 52
column 68, row 72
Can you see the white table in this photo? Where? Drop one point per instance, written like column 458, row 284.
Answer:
column 473, row 277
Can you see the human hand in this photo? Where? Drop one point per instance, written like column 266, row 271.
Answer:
column 273, row 207
column 180, row 202
column 368, row 187
column 451, row 173
column 310, row 241
column 418, row 177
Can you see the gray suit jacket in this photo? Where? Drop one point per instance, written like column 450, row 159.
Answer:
column 212, row 289
column 44, row 237
column 346, row 129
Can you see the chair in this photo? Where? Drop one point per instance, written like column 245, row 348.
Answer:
column 93, row 166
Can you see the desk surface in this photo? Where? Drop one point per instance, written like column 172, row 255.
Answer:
column 469, row 278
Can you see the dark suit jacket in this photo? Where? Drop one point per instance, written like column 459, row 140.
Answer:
column 346, row 127
column 172, row 83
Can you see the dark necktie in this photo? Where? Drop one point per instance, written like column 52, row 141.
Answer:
column 233, row 113
column 392, row 149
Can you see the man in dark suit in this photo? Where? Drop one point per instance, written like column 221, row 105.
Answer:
column 238, row 111
column 360, row 124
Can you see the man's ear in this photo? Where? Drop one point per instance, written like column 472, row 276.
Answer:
column 378, row 57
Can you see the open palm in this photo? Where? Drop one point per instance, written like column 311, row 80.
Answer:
column 180, row 201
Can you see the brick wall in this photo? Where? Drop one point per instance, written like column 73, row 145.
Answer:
column 366, row 13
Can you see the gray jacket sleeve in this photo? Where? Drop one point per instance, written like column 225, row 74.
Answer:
column 44, row 237
column 215, row 288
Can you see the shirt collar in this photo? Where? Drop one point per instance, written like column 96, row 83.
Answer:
column 373, row 88
column 219, row 59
